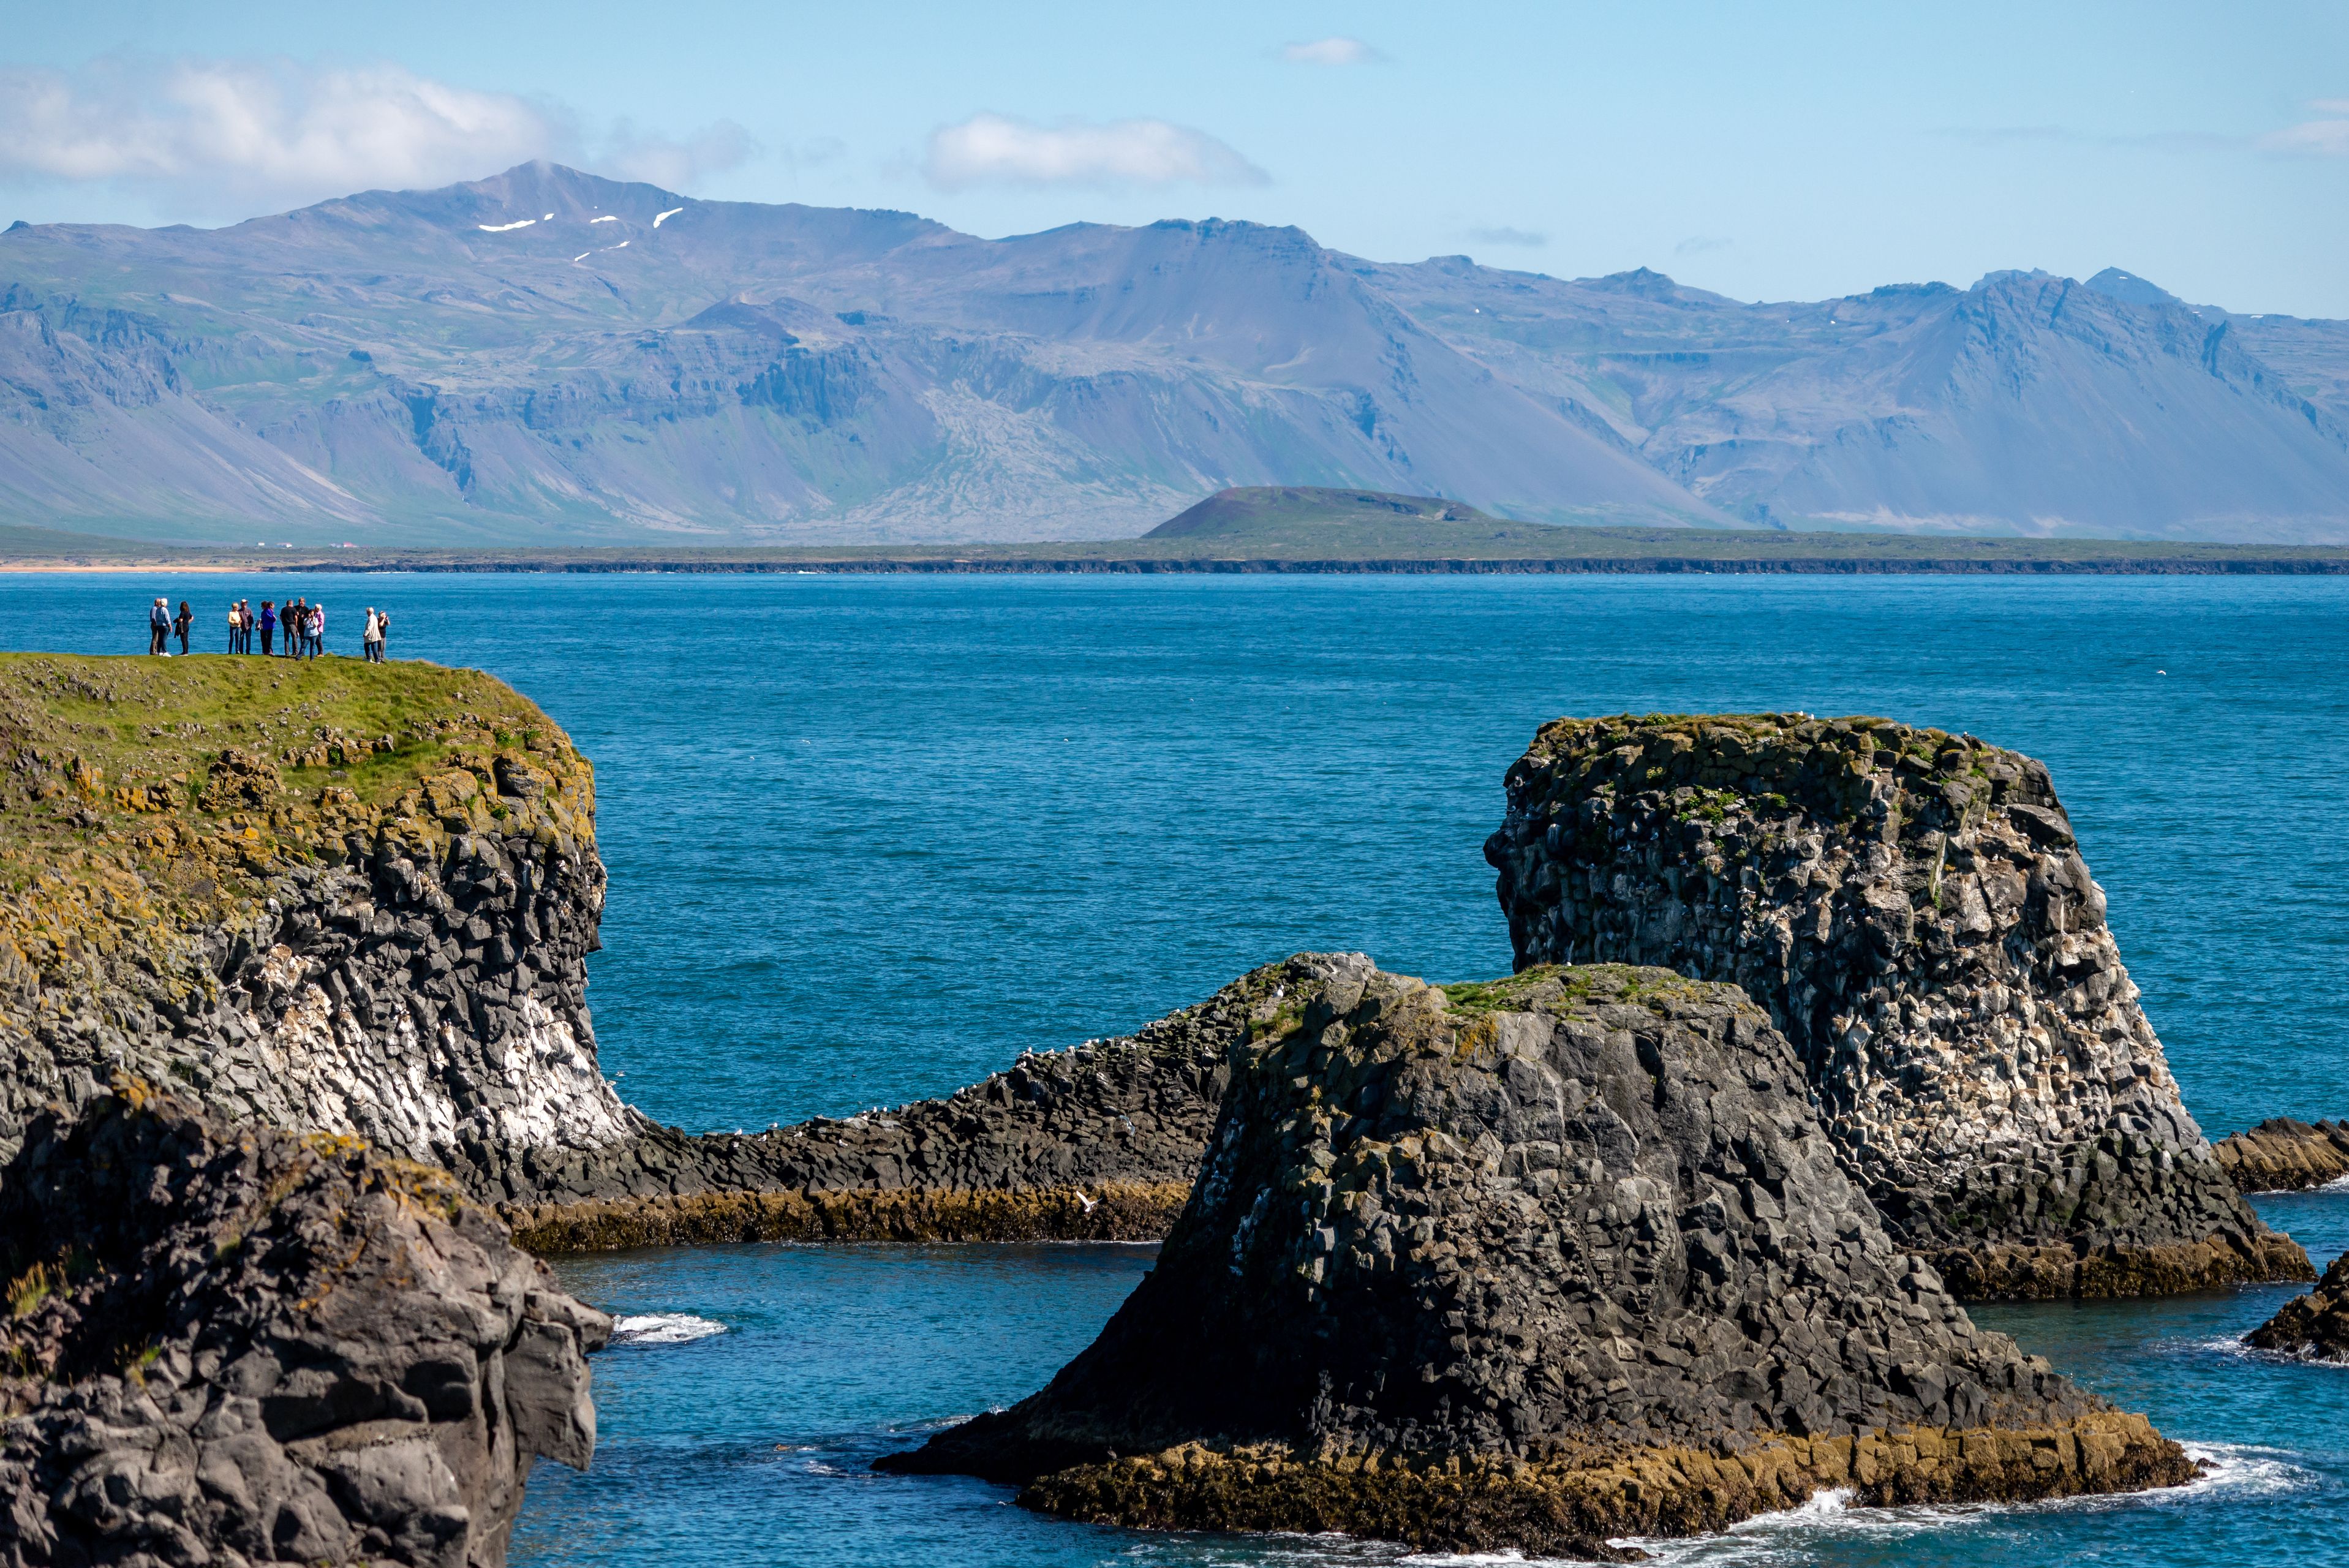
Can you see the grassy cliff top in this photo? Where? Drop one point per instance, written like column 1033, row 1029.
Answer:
column 1832, row 767
column 141, row 797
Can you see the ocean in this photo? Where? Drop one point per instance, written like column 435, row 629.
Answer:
column 872, row 837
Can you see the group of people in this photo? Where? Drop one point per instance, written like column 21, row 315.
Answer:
column 301, row 624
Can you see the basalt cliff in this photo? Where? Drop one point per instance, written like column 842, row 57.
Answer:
column 1539, row 1264
column 357, row 899
column 1913, row 909
column 229, row 1345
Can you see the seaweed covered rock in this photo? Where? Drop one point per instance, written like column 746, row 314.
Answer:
column 2314, row 1327
column 1913, row 909
column 1534, row 1264
column 1097, row 1143
column 233, row 1345
column 2282, row 1155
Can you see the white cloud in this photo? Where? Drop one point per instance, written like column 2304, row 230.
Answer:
column 1698, row 244
column 996, row 150
column 224, row 137
column 245, row 128
column 2327, row 137
column 1504, row 235
column 1330, row 52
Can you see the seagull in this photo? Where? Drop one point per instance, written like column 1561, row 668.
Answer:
column 1090, row 1204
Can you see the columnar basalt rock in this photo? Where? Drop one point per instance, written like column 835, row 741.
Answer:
column 384, row 937
column 230, row 1345
column 1534, row 1264
column 2281, row 1155
column 2313, row 1328
column 1098, row 1142
column 1913, row 909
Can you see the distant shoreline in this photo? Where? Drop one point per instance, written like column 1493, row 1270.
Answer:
column 719, row 566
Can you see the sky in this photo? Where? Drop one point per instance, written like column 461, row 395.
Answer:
column 1784, row 152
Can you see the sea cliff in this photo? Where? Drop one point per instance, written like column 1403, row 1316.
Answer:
column 1912, row 908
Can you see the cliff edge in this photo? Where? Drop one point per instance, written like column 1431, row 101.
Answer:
column 1913, row 909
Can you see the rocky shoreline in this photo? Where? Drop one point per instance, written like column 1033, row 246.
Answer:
column 229, row 1343
column 2281, row 1155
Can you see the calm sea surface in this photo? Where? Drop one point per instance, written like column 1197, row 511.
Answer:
column 870, row 838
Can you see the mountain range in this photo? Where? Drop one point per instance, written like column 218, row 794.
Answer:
column 550, row 357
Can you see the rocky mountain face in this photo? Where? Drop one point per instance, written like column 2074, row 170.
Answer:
column 549, row 357
column 1532, row 1264
column 227, row 1343
column 1913, row 910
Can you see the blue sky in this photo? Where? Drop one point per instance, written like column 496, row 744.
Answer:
column 1784, row 152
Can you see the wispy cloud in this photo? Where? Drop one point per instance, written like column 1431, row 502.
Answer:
column 220, row 137
column 1698, row 244
column 1504, row 235
column 1332, row 51
column 996, row 150
column 2327, row 135
column 674, row 164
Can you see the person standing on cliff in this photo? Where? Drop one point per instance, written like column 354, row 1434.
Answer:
column 235, row 621
column 180, row 623
column 317, row 630
column 158, row 625
column 268, row 628
column 371, row 637
column 382, row 632
column 291, row 619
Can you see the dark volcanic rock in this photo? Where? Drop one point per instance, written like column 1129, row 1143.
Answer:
column 2314, row 1327
column 231, row 1344
column 1097, row 1143
column 1534, row 1264
column 1911, row 908
column 2281, row 1155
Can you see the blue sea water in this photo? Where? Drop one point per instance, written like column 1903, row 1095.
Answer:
column 870, row 838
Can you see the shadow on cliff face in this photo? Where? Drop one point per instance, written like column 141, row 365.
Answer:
column 226, row 1341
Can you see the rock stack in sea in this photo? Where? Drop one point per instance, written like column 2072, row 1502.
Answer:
column 2282, row 1155
column 226, row 1344
column 1534, row 1264
column 1913, row 909
column 2314, row 1327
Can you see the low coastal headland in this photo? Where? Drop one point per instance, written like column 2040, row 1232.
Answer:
column 1254, row 530
column 1817, row 1032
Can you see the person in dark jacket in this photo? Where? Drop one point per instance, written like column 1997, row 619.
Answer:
column 180, row 623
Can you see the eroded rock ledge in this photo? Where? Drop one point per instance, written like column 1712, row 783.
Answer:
column 1911, row 908
column 1534, row 1264
column 1100, row 1142
column 230, row 1345
column 2281, row 1155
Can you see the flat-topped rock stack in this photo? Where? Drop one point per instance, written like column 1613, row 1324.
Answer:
column 1535, row 1264
column 229, row 1345
column 1913, row 909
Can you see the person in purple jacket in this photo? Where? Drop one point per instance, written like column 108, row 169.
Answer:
column 268, row 628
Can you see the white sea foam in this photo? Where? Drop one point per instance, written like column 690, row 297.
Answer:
column 663, row 1328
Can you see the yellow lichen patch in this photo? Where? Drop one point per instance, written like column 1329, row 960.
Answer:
column 1121, row 1211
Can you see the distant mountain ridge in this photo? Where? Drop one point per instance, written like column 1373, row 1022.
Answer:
column 547, row 357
